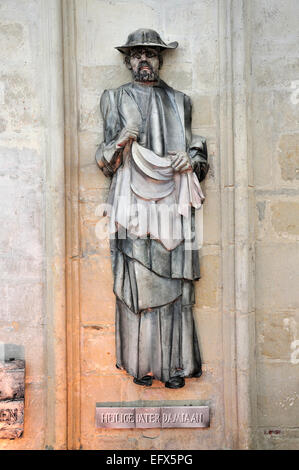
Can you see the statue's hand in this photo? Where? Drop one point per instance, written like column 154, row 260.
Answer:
column 126, row 134
column 180, row 161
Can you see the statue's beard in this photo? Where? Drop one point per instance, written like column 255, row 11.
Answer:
column 145, row 75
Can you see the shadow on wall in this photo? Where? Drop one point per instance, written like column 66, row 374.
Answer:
column 10, row 352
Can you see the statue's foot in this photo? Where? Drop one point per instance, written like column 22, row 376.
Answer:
column 147, row 380
column 175, row 382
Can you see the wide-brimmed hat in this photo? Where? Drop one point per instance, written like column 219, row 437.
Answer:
column 145, row 37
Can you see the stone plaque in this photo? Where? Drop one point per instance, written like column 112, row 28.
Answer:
column 148, row 417
column 185, row 417
column 115, row 417
column 12, row 383
column 153, row 417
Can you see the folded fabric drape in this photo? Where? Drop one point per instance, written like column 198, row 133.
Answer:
column 149, row 198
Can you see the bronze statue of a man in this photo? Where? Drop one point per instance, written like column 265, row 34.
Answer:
column 156, row 166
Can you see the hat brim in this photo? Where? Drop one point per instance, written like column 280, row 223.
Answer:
column 125, row 49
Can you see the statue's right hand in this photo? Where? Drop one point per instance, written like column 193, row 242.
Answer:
column 126, row 134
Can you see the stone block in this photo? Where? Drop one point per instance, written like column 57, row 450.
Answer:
column 97, row 298
column 11, row 38
column 262, row 137
column 288, row 157
column 285, row 217
column 90, row 118
column 179, row 77
column 20, row 105
column 89, row 141
column 94, row 389
column 277, row 394
column 30, row 339
column 98, row 350
column 277, row 276
column 277, row 438
column 211, row 219
column 209, row 330
column 274, row 23
column 206, row 288
column 108, row 24
column 25, row 301
column 276, row 333
column 90, row 176
column 286, row 109
column 272, row 71
column 98, row 78
column 203, row 113
column 12, row 388
column 11, row 419
column 12, row 380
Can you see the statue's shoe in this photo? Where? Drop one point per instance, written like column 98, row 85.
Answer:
column 175, row 382
column 147, row 380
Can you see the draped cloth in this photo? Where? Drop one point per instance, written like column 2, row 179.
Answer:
column 149, row 198
column 154, row 267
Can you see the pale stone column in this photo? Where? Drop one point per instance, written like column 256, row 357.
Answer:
column 72, row 224
column 53, row 112
column 237, row 218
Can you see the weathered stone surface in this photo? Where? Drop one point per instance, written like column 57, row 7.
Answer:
column 262, row 138
column 11, row 36
column 11, row 419
column 277, row 276
column 277, row 438
column 276, row 333
column 211, row 219
column 203, row 110
column 97, row 298
column 207, row 287
column 96, row 78
column 12, row 380
column 31, row 128
column 285, row 217
column 178, row 77
column 98, row 347
column 288, row 156
column 278, row 398
column 209, row 327
column 273, row 137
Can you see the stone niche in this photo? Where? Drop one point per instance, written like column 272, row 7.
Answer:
column 12, row 387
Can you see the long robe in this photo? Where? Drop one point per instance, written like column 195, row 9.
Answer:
column 155, row 330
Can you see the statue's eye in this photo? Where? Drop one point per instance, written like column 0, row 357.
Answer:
column 150, row 54
column 136, row 55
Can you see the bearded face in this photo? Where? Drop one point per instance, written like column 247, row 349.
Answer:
column 144, row 62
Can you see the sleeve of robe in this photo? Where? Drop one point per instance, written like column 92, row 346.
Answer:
column 196, row 145
column 108, row 157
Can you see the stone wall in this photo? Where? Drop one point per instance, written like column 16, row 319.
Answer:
column 31, row 186
column 192, row 68
column 238, row 60
column 275, row 150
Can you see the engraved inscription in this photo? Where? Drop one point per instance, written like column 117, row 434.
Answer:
column 9, row 416
column 11, row 419
column 115, row 418
column 148, row 417
column 185, row 417
column 153, row 417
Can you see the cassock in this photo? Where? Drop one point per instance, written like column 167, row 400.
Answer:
column 153, row 276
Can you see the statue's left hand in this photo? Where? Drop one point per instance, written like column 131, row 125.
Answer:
column 180, row 161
